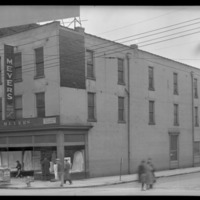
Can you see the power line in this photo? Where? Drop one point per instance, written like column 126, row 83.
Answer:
column 139, row 22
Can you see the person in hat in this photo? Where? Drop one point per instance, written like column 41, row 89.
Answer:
column 19, row 169
column 67, row 168
column 59, row 168
column 45, row 169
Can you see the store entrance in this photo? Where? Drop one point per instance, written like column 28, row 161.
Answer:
column 30, row 158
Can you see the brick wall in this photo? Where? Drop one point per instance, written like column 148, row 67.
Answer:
column 72, row 60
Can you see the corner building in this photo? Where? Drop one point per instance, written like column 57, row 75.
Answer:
column 98, row 102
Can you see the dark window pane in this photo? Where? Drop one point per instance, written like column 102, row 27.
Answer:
column 39, row 57
column 40, row 103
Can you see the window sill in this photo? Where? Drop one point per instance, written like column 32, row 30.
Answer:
column 121, row 122
column 152, row 123
column 91, row 78
column 92, row 120
column 38, row 77
column 18, row 80
column 151, row 89
column 120, row 83
column 176, row 124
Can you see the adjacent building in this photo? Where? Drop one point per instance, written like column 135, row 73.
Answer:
column 99, row 102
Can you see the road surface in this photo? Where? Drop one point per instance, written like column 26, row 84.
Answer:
column 182, row 185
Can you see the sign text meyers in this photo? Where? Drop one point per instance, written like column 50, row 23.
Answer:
column 8, row 81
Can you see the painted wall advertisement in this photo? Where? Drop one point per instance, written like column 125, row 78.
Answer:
column 9, row 81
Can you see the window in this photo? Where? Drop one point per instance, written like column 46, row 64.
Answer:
column 39, row 62
column 175, row 75
column 176, row 118
column 151, row 112
column 197, row 148
column 121, row 110
column 195, row 88
column 18, row 107
column 0, row 108
column 173, row 147
column 196, row 117
column 18, row 67
column 91, row 107
column 90, row 64
column 40, row 104
column 120, row 71
column 0, row 72
column 151, row 79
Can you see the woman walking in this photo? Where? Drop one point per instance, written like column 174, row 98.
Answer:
column 142, row 174
column 150, row 177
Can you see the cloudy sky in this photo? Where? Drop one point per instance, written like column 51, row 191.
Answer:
column 151, row 27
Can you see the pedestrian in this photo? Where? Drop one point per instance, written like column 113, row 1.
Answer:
column 59, row 168
column 19, row 169
column 142, row 174
column 67, row 170
column 55, row 169
column 150, row 176
column 45, row 169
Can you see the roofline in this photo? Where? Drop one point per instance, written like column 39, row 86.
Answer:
column 107, row 40
column 170, row 59
column 39, row 26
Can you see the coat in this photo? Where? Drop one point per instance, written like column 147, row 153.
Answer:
column 142, row 173
column 45, row 166
column 150, row 178
column 67, row 168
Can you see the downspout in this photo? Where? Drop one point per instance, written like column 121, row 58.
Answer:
column 128, row 109
column 192, row 78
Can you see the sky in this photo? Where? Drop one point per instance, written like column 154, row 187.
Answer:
column 138, row 25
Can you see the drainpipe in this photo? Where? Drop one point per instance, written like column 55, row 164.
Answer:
column 192, row 78
column 128, row 112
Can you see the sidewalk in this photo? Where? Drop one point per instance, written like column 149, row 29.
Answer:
column 19, row 183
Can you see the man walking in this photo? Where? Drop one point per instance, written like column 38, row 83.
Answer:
column 67, row 168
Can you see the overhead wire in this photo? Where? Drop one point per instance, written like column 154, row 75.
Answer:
column 118, row 44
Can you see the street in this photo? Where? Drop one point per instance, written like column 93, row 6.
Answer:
column 182, row 185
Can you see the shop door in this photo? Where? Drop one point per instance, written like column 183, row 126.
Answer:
column 173, row 153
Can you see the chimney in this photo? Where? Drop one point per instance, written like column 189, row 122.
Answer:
column 79, row 29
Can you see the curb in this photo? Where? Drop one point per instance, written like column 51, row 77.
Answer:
column 98, row 185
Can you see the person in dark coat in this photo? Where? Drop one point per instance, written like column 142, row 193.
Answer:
column 142, row 174
column 45, row 169
column 67, row 168
column 19, row 169
column 151, row 179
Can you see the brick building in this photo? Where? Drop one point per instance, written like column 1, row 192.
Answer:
column 96, row 101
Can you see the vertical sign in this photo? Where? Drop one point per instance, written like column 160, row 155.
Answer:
column 9, row 82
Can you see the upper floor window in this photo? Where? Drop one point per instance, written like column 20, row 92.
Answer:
column 90, row 63
column 151, row 78
column 40, row 104
column 175, row 75
column 0, row 72
column 195, row 88
column 39, row 62
column 197, row 148
column 151, row 112
column 91, row 107
column 1, row 109
column 18, row 67
column 196, row 118
column 176, row 115
column 121, row 110
column 18, row 107
column 120, row 71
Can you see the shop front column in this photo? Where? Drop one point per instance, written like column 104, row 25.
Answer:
column 61, row 152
